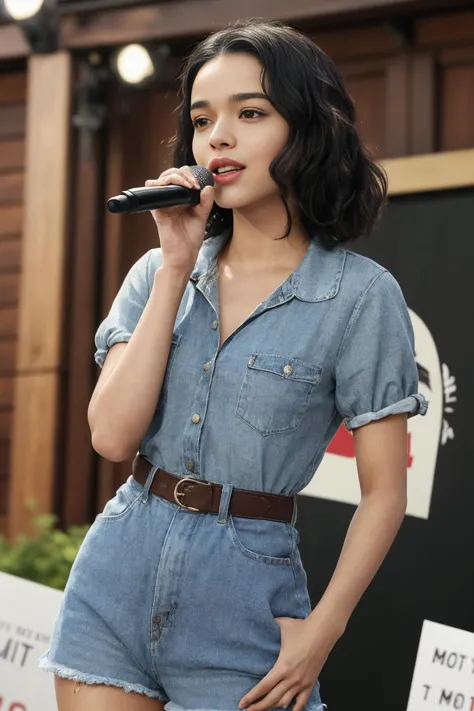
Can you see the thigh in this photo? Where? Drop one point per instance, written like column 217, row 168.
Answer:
column 72, row 696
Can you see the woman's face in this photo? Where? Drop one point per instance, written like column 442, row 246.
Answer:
column 248, row 130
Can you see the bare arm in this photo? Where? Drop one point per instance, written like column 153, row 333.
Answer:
column 125, row 397
column 381, row 452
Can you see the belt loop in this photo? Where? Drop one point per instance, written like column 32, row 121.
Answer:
column 224, row 503
column 148, row 483
column 295, row 511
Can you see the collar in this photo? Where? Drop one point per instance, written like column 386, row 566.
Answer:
column 317, row 277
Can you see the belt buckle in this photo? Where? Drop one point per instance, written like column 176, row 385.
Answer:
column 177, row 493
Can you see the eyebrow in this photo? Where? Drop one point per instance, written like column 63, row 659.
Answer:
column 234, row 99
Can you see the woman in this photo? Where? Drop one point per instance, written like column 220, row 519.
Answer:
column 230, row 363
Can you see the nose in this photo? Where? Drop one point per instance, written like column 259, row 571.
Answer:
column 221, row 136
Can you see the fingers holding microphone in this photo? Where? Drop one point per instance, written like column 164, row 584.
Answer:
column 176, row 176
column 181, row 228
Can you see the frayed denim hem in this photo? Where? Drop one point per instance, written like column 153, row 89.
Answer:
column 171, row 706
column 74, row 675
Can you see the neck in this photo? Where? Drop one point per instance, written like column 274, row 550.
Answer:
column 255, row 245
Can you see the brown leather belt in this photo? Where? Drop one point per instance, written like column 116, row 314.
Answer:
column 204, row 496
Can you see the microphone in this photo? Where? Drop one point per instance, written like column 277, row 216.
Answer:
column 158, row 196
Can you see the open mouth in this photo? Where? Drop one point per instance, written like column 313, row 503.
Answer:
column 229, row 169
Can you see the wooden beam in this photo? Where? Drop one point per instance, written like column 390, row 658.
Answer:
column 41, row 305
column 199, row 17
column 182, row 18
column 436, row 171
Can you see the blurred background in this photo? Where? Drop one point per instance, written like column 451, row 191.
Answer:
column 88, row 92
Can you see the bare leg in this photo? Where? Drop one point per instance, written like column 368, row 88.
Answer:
column 76, row 696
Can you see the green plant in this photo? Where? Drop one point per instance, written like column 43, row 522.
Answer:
column 47, row 557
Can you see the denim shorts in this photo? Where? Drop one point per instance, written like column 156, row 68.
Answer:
column 178, row 605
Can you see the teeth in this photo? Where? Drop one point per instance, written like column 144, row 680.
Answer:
column 226, row 169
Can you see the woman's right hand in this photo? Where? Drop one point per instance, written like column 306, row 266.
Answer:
column 182, row 228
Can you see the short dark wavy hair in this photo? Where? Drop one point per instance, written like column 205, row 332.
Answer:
column 339, row 189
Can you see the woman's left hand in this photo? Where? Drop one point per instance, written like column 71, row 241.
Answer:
column 302, row 656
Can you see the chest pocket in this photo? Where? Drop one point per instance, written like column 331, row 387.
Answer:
column 275, row 392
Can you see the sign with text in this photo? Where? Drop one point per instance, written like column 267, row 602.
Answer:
column 28, row 612
column 444, row 670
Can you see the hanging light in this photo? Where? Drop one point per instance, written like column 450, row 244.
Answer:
column 138, row 66
column 22, row 9
column 37, row 19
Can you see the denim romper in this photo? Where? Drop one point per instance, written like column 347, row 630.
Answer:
column 181, row 606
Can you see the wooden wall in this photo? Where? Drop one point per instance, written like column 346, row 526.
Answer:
column 413, row 89
column 12, row 164
column 414, row 94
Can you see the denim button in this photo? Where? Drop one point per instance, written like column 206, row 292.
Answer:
column 195, row 418
column 190, row 465
column 206, row 366
column 214, row 324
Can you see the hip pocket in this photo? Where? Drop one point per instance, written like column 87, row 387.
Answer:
column 268, row 542
column 275, row 392
column 122, row 503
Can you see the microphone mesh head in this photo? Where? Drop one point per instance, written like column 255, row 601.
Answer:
column 203, row 175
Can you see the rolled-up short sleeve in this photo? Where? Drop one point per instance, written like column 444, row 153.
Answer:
column 376, row 373
column 128, row 305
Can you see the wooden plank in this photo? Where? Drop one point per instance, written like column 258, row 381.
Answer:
column 435, row 171
column 11, row 220
column 12, row 121
column 12, row 154
column 35, row 421
column 45, row 228
column 7, row 357
column 5, row 423
column 457, row 108
column 12, row 87
column 13, row 43
column 423, row 104
column 10, row 255
column 444, row 29
column 8, row 322
column 6, row 393
column 11, row 188
column 9, row 289
column 456, row 55
column 397, row 96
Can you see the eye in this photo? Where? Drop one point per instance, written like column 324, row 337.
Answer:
column 196, row 123
column 252, row 111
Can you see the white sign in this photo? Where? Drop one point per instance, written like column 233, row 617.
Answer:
column 28, row 612
column 444, row 670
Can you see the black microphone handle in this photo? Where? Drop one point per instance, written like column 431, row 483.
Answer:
column 152, row 198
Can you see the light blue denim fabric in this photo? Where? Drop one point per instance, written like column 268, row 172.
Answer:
column 176, row 605
column 333, row 342
column 181, row 606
